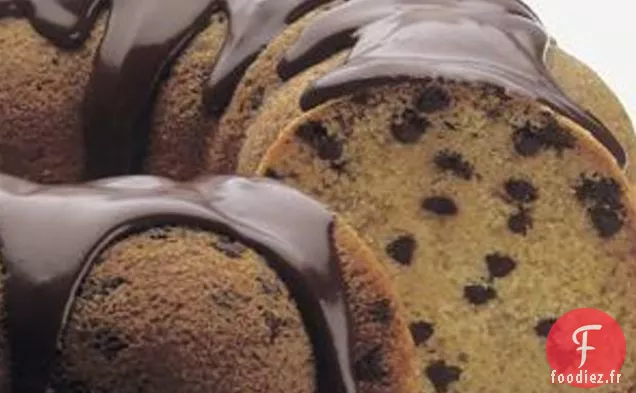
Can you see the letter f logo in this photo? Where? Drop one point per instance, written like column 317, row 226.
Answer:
column 583, row 344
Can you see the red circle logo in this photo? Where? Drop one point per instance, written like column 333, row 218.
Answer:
column 586, row 349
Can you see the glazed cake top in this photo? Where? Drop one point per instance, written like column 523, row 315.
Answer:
column 501, row 42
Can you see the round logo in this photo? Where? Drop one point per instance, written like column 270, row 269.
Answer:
column 586, row 348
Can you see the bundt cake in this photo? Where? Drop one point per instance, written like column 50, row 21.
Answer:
column 484, row 167
column 103, row 298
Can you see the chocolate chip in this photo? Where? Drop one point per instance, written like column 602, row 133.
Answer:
column 600, row 191
column 229, row 247
column 370, row 367
column 401, row 249
column 526, row 143
column 432, row 99
column 529, row 140
column 442, row 206
column 421, row 331
column 607, row 222
column 442, row 375
column 315, row 135
column 555, row 137
column 521, row 190
column 272, row 174
column 500, row 265
column 521, row 222
column 411, row 128
column 381, row 311
column 605, row 207
column 479, row 294
column 542, row 328
column 453, row 162
column 108, row 343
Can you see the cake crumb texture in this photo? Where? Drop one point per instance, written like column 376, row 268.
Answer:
column 493, row 215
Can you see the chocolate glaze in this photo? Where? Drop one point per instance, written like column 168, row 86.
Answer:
column 493, row 41
column 316, row 43
column 142, row 40
column 51, row 236
column 253, row 24
column 126, row 74
column 8, row 7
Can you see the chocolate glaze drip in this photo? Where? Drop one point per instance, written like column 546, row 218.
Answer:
column 318, row 41
column 493, row 41
column 253, row 24
column 7, row 7
column 51, row 236
column 142, row 40
column 135, row 52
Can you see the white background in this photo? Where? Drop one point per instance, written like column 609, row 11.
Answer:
column 602, row 33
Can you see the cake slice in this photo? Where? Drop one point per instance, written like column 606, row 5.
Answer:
column 256, row 289
column 494, row 215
